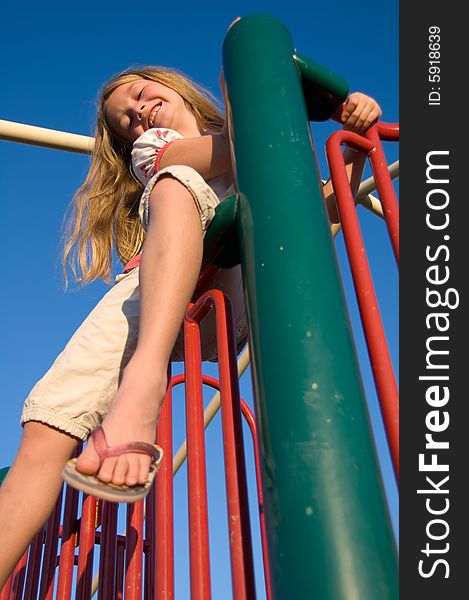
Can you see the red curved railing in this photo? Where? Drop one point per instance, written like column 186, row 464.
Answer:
column 242, row 570
column 380, row 359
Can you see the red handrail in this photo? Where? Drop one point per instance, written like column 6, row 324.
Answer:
column 250, row 419
column 368, row 305
column 86, row 547
column 160, row 515
column 242, row 570
column 50, row 552
column 107, row 555
column 67, row 549
column 388, row 132
column 196, row 467
column 134, row 552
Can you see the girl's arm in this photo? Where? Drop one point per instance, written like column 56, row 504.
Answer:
column 209, row 154
column 359, row 113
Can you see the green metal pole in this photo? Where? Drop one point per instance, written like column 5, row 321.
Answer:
column 329, row 531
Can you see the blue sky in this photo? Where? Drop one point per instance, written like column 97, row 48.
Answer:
column 55, row 57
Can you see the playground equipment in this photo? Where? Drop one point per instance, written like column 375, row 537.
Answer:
column 325, row 526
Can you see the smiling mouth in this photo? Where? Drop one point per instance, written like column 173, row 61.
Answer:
column 152, row 117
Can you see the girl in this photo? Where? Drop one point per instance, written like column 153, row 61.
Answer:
column 114, row 369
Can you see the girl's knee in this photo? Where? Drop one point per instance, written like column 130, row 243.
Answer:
column 40, row 435
column 172, row 193
column 168, row 184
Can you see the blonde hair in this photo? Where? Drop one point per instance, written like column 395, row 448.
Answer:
column 104, row 211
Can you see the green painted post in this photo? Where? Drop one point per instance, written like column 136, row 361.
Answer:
column 329, row 531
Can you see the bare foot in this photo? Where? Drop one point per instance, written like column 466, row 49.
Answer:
column 133, row 416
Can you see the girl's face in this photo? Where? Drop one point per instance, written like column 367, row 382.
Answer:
column 134, row 107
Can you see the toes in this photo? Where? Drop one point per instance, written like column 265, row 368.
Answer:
column 144, row 468
column 107, row 469
column 128, row 469
column 137, row 472
column 121, row 469
column 132, row 477
column 88, row 461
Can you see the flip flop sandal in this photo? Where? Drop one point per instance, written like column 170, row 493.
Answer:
column 90, row 484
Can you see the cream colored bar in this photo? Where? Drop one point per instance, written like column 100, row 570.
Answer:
column 48, row 138
column 364, row 196
column 371, row 203
column 73, row 142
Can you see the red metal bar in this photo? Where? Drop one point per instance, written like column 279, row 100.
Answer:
column 388, row 132
column 19, row 576
column 383, row 179
column 50, row 551
column 134, row 551
column 162, row 533
column 149, row 546
column 5, row 591
column 237, row 493
column 13, row 589
column 214, row 383
column 368, row 305
column 107, row 553
column 242, row 570
column 34, row 563
column 251, row 421
column 67, row 549
column 196, row 468
column 86, row 548
column 120, row 572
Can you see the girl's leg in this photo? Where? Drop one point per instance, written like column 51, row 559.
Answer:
column 170, row 265
column 30, row 490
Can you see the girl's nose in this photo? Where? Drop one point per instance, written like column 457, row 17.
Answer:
column 140, row 112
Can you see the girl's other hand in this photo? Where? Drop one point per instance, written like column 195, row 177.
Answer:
column 360, row 112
